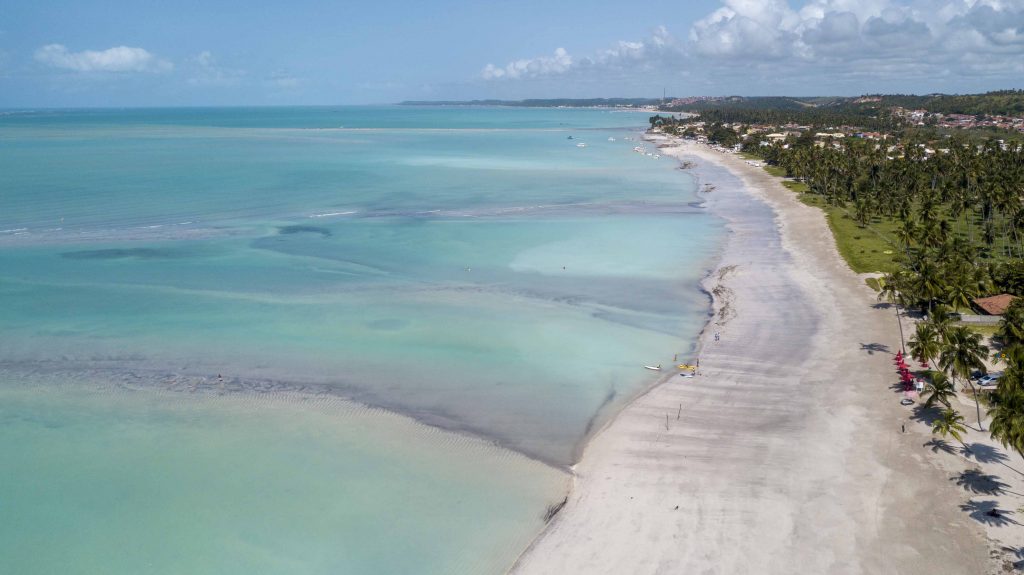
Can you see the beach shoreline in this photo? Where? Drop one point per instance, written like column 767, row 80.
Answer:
column 783, row 455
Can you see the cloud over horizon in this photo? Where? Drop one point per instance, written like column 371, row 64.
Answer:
column 116, row 59
column 844, row 41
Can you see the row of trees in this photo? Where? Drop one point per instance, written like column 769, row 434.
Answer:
column 958, row 213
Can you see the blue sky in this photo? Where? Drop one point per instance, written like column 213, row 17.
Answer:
column 222, row 52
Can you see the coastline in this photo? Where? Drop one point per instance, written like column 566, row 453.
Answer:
column 785, row 454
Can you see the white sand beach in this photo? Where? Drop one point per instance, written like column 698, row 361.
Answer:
column 786, row 454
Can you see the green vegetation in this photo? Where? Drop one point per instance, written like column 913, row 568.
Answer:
column 866, row 249
column 944, row 225
column 951, row 423
column 1002, row 102
column 1007, row 403
column 873, row 112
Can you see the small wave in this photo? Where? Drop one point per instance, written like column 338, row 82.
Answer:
column 329, row 214
column 14, row 231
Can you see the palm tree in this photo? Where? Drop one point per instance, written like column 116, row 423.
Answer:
column 961, row 290
column 951, row 423
column 1007, row 410
column 926, row 344
column 939, row 389
column 941, row 320
column 889, row 290
column 962, row 353
column 1011, row 327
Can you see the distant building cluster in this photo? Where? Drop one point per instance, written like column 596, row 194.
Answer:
column 960, row 121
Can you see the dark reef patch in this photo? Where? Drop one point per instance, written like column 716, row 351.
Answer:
column 288, row 230
column 124, row 253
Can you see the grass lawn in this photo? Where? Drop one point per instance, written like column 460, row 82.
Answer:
column 984, row 330
column 865, row 250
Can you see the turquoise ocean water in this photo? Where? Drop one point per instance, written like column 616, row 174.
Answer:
column 189, row 297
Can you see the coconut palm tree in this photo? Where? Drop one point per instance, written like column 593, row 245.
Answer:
column 951, row 423
column 961, row 290
column 926, row 344
column 962, row 353
column 940, row 320
column 939, row 389
column 1007, row 410
column 890, row 290
column 1011, row 327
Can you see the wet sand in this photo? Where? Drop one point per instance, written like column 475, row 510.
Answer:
column 785, row 455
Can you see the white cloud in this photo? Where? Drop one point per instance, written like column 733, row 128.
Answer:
column 634, row 55
column 284, row 80
column 557, row 63
column 206, row 71
column 771, row 46
column 116, row 59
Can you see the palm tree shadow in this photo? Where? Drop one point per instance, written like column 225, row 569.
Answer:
column 988, row 512
column 926, row 415
column 1017, row 552
column 882, row 305
column 897, row 387
column 977, row 482
column 938, row 445
column 986, row 454
column 871, row 348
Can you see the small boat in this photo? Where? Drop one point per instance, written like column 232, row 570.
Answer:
column 569, row 138
column 653, row 367
column 611, row 139
column 581, row 145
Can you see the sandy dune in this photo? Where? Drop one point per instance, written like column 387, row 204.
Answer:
column 786, row 454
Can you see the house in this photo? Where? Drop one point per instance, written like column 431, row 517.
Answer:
column 995, row 305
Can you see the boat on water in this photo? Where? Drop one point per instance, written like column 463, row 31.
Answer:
column 611, row 139
column 653, row 367
column 581, row 145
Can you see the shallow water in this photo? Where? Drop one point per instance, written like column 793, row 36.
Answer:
column 128, row 482
column 473, row 269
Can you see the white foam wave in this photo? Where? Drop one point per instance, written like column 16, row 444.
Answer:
column 329, row 214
